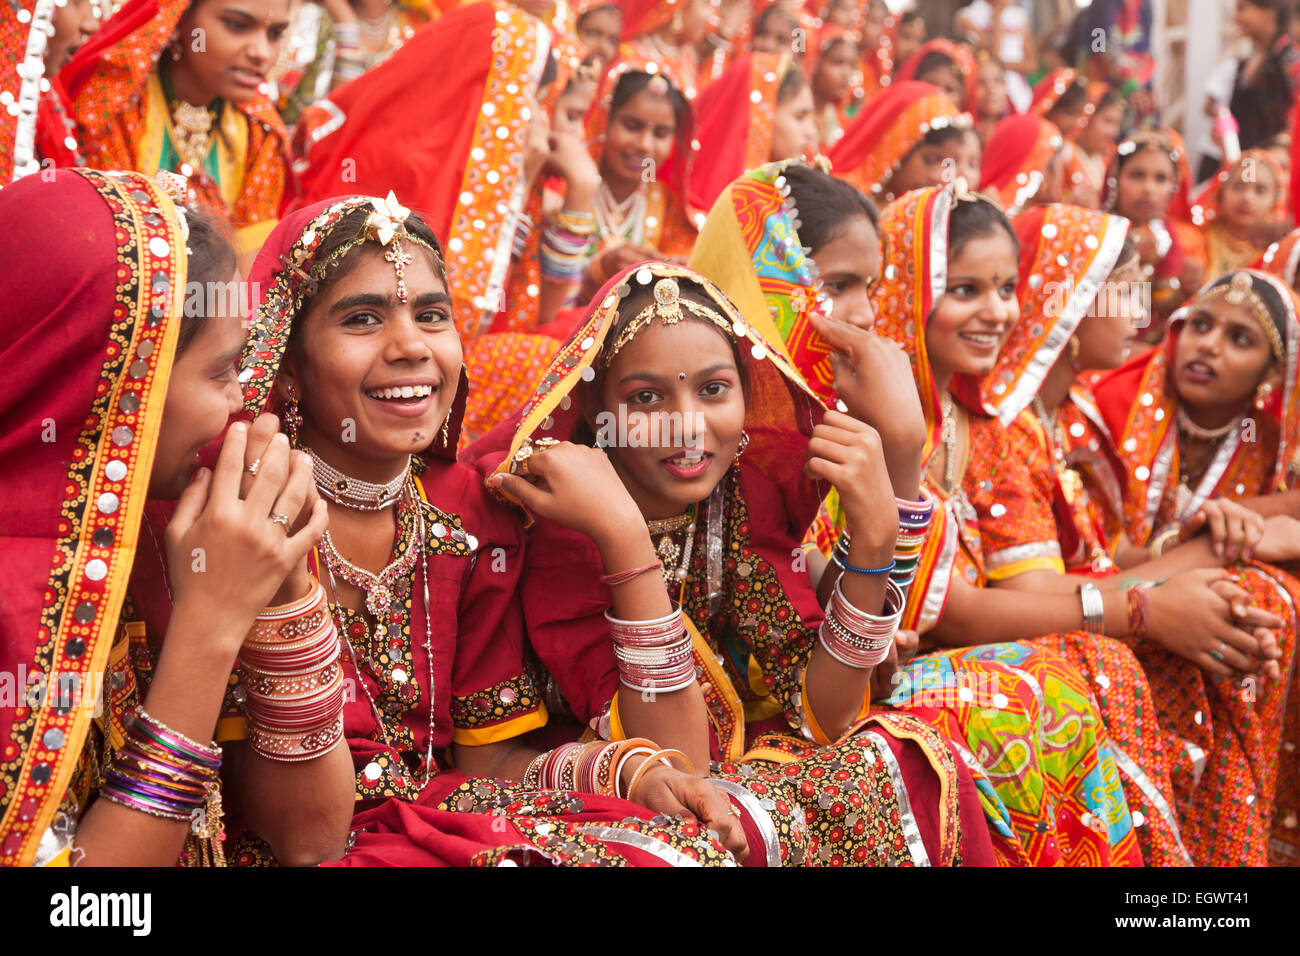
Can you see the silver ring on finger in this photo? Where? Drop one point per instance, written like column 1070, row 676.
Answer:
column 1217, row 653
column 280, row 519
column 253, row 466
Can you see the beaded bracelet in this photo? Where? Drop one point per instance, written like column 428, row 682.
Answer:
column 840, row 554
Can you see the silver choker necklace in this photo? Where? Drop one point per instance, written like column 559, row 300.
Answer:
column 353, row 492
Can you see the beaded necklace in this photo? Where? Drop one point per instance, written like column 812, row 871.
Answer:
column 625, row 220
column 353, row 492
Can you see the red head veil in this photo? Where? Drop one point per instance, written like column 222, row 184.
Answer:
column 1015, row 157
column 646, row 16
column 88, row 351
column 967, row 69
column 736, row 114
column 879, row 138
column 457, row 158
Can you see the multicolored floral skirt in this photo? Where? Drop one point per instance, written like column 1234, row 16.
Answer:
column 1142, row 750
column 1235, row 773
column 1024, row 722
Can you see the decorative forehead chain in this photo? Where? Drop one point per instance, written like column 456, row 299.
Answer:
column 385, row 225
column 1239, row 290
column 668, row 305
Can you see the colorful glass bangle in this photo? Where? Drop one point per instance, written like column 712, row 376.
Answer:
column 844, row 565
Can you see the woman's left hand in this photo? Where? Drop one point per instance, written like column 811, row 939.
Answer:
column 675, row 793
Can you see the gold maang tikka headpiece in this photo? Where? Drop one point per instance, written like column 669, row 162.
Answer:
column 668, row 305
column 1240, row 290
column 385, row 225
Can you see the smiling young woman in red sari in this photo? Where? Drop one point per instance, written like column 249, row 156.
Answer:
column 143, row 389
column 719, row 523
column 356, row 344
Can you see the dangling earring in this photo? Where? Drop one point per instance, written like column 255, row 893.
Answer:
column 1261, row 395
column 173, row 49
column 292, row 419
column 446, row 431
column 1074, row 352
column 744, row 443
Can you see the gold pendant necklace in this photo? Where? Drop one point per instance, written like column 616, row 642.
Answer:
column 676, row 559
column 192, row 128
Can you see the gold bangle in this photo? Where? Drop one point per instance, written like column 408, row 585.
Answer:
column 656, row 757
column 1161, row 541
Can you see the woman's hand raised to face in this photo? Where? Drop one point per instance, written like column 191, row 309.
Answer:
column 847, row 453
column 576, row 486
column 227, row 558
column 260, row 434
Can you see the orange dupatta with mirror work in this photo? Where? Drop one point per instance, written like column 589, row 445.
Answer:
column 1139, row 407
column 103, row 322
column 123, row 120
column 884, row 131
